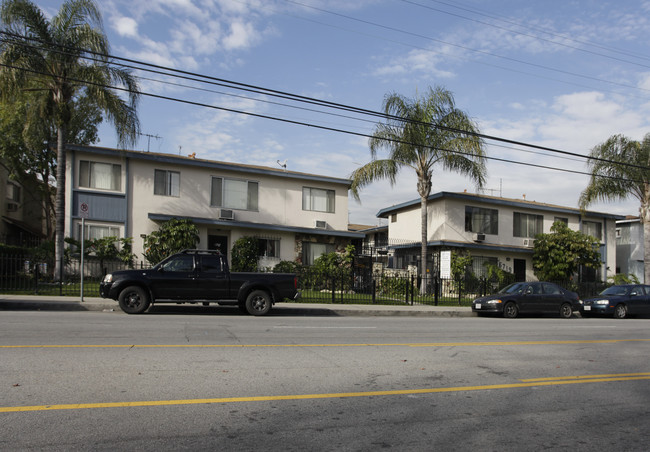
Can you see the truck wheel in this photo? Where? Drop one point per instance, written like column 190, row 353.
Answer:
column 258, row 302
column 134, row 300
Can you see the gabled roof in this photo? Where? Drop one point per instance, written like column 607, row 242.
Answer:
column 519, row 203
column 204, row 163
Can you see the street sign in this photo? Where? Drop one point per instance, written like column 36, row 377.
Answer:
column 83, row 210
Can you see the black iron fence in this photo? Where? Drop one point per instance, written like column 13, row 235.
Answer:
column 29, row 274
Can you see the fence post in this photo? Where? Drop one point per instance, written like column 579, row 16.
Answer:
column 436, row 289
column 374, row 290
column 333, row 290
column 36, row 277
column 411, row 288
column 61, row 276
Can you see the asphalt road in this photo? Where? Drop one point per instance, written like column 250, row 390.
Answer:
column 174, row 381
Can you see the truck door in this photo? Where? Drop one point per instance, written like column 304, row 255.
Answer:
column 174, row 279
column 212, row 279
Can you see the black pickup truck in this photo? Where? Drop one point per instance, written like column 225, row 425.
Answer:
column 197, row 276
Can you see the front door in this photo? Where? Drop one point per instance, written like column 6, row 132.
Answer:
column 220, row 243
column 520, row 270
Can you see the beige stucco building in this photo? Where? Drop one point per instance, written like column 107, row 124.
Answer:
column 296, row 216
column 492, row 229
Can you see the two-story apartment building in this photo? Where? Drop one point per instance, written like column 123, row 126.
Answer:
column 295, row 216
column 492, row 229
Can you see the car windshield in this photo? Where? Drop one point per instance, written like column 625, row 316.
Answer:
column 513, row 288
column 616, row 290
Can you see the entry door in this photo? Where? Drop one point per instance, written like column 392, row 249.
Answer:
column 520, row 270
column 219, row 242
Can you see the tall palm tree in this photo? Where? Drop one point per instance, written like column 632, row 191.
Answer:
column 421, row 133
column 51, row 57
column 620, row 169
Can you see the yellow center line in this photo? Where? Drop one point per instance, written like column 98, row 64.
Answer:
column 148, row 403
column 430, row 344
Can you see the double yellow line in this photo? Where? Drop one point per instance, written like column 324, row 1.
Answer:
column 547, row 381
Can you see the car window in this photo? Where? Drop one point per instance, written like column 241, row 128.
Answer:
column 615, row 290
column 534, row 289
column 182, row 263
column 513, row 288
column 551, row 289
column 211, row 264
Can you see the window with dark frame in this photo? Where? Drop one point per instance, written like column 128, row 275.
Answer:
column 167, row 183
column 104, row 176
column 234, row 193
column 318, row 199
column 481, row 220
column 527, row 225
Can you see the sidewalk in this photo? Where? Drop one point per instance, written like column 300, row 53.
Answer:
column 45, row 303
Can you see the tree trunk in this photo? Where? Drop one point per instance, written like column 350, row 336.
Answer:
column 59, row 203
column 423, row 248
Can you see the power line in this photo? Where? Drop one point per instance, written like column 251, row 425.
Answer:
column 320, row 127
column 294, row 97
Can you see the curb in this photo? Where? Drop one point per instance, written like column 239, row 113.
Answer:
column 36, row 303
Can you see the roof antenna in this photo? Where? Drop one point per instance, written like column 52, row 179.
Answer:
column 283, row 164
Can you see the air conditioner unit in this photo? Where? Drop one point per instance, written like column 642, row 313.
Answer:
column 226, row 214
column 320, row 224
column 12, row 207
column 479, row 237
column 529, row 243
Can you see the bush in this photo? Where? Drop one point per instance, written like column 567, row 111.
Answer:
column 286, row 267
column 245, row 252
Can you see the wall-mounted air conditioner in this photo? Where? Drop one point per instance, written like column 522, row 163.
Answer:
column 226, row 214
column 479, row 237
column 529, row 243
column 12, row 207
column 320, row 224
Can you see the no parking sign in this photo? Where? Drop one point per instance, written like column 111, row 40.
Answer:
column 83, row 210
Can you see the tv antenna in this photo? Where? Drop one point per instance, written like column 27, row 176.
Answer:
column 283, row 164
column 149, row 137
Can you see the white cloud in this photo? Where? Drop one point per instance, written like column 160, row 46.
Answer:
column 125, row 26
column 242, row 35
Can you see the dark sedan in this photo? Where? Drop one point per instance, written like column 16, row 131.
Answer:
column 529, row 297
column 620, row 301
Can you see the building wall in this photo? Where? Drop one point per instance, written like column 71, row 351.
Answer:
column 446, row 223
column 127, row 209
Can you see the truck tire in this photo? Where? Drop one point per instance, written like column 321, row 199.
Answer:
column 134, row 300
column 258, row 303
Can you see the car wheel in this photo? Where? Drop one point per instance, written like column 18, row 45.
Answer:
column 566, row 311
column 134, row 300
column 258, row 302
column 510, row 310
column 620, row 311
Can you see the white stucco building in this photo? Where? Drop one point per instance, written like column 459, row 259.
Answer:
column 493, row 229
column 296, row 216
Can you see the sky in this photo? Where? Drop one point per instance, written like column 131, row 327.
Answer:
column 564, row 75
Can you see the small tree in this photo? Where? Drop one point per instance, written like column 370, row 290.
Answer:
column 173, row 236
column 460, row 263
column 245, row 253
column 558, row 256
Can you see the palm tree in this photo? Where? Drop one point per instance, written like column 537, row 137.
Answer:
column 421, row 133
column 62, row 59
column 620, row 168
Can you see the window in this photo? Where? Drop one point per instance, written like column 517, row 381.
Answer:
column 105, row 176
column 97, row 231
column 593, row 229
column 562, row 219
column 211, row 264
column 167, row 183
column 318, row 199
column 269, row 247
column 181, row 263
column 13, row 192
column 485, row 221
column 312, row 251
column 527, row 225
column 234, row 193
column 393, row 218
